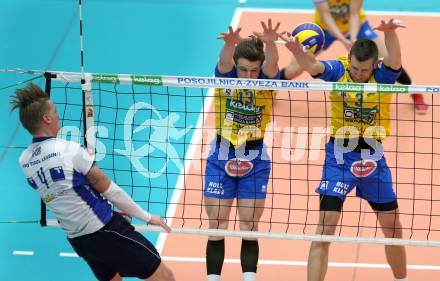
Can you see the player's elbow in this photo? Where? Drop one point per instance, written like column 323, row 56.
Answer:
column 395, row 64
column 313, row 69
column 97, row 179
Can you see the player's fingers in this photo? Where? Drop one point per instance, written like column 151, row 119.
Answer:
column 165, row 226
column 230, row 29
column 263, row 24
column 283, row 37
column 269, row 24
column 398, row 23
column 277, row 26
column 222, row 35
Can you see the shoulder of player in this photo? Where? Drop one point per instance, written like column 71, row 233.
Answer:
column 381, row 66
column 336, row 68
column 25, row 155
column 230, row 74
column 65, row 146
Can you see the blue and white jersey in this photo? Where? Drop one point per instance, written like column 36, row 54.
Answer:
column 56, row 169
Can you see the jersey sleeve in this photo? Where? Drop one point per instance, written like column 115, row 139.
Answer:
column 82, row 160
column 386, row 75
column 334, row 70
column 264, row 76
column 230, row 74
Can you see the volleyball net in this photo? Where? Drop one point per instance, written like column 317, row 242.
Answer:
column 152, row 135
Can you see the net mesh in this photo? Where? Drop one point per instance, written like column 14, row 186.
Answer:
column 153, row 140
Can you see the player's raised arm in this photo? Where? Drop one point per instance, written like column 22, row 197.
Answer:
column 355, row 19
column 305, row 59
column 113, row 193
column 269, row 36
column 326, row 17
column 393, row 59
column 230, row 38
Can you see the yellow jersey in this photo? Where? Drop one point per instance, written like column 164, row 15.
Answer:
column 242, row 115
column 367, row 113
column 340, row 10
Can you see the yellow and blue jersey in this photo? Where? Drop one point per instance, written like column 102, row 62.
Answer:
column 340, row 10
column 242, row 114
column 361, row 110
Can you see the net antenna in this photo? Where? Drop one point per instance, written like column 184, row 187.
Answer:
column 86, row 87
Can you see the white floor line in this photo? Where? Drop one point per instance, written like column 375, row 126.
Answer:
column 23, row 253
column 264, row 262
column 195, row 142
column 68, row 255
column 304, row 263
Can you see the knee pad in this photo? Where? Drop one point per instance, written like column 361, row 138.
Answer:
column 249, row 255
column 215, row 255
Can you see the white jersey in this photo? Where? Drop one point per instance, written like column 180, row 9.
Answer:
column 55, row 168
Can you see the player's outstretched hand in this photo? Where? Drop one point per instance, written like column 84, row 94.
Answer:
column 389, row 25
column 269, row 34
column 231, row 37
column 292, row 45
column 156, row 220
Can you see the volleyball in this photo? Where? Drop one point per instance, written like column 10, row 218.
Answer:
column 310, row 35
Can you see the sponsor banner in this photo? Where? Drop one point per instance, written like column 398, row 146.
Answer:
column 432, row 90
column 347, row 87
column 391, row 88
column 230, row 82
column 147, row 80
column 105, row 78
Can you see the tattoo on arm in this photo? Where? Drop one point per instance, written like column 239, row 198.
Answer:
column 93, row 176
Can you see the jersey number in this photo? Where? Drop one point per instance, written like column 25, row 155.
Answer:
column 250, row 97
column 56, row 174
column 360, row 99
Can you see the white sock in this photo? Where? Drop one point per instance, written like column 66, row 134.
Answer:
column 213, row 277
column 249, row 276
column 402, row 279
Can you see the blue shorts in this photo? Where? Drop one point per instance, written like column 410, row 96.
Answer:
column 371, row 178
column 365, row 32
column 237, row 174
column 117, row 248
